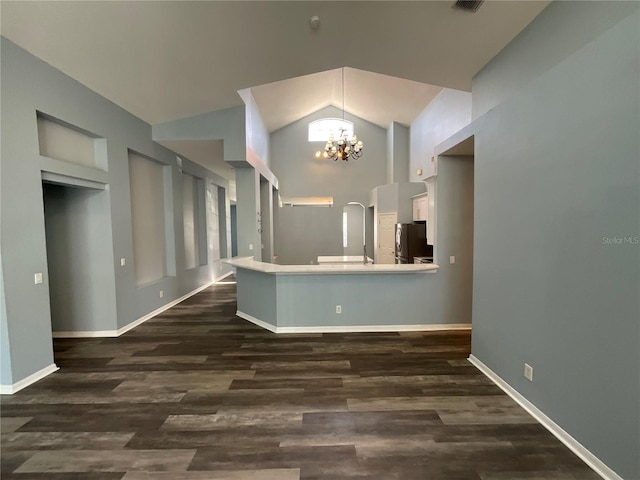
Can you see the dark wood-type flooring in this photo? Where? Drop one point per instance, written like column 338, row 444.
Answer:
column 198, row 393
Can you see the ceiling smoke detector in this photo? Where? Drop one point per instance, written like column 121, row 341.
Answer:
column 314, row 22
column 468, row 5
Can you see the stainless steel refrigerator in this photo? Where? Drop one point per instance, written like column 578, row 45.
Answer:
column 411, row 241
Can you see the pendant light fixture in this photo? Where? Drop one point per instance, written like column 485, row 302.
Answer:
column 343, row 147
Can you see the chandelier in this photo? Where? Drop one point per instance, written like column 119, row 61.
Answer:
column 345, row 146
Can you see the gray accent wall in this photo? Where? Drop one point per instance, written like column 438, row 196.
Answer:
column 28, row 86
column 557, row 181
column 510, row 70
column 303, row 233
column 448, row 113
column 397, row 153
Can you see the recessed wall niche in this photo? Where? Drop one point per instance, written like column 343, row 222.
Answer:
column 193, row 216
column 150, row 184
column 60, row 140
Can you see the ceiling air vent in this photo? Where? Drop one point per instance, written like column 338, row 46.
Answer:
column 469, row 5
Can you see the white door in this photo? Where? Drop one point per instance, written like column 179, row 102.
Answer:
column 387, row 237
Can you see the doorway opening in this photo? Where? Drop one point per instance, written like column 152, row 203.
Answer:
column 454, row 215
column 79, row 259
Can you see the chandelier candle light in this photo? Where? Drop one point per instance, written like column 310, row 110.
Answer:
column 344, row 147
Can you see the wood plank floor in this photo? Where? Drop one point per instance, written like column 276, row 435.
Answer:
column 198, row 393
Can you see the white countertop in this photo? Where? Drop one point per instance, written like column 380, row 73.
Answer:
column 347, row 268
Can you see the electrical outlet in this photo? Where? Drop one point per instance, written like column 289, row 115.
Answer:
column 37, row 278
column 251, row 246
column 452, row 259
column 528, row 372
column 338, row 308
column 123, row 262
column 161, row 293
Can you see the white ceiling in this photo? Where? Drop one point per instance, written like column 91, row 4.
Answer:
column 163, row 60
column 380, row 99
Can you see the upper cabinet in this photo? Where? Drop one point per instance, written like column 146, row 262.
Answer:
column 420, row 207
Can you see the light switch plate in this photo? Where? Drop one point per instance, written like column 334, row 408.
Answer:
column 37, row 278
column 528, row 372
column 251, row 246
column 452, row 259
column 123, row 262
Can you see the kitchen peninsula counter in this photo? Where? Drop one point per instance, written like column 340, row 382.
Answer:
column 331, row 268
column 342, row 297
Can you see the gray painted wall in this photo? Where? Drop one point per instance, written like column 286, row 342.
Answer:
column 5, row 354
column 397, row 153
column 227, row 125
column 247, row 208
column 449, row 112
column 29, row 85
column 257, row 295
column 257, row 136
column 310, row 300
column 510, row 71
column 234, row 232
column 557, row 173
column 246, row 147
column 303, row 233
column 266, row 220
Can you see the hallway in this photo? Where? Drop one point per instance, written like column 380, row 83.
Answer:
column 197, row 393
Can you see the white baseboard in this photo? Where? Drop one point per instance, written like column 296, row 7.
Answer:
column 355, row 328
column 25, row 382
column 85, row 334
column 257, row 321
column 222, row 277
column 375, row 328
column 135, row 323
column 576, row 447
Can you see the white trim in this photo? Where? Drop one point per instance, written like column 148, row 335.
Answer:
column 355, row 328
column 375, row 328
column 576, row 447
column 135, row 323
column 25, row 382
column 85, row 334
column 257, row 321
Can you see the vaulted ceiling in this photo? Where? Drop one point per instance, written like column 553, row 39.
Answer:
column 163, row 60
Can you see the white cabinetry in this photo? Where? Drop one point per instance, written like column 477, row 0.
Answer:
column 420, row 207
